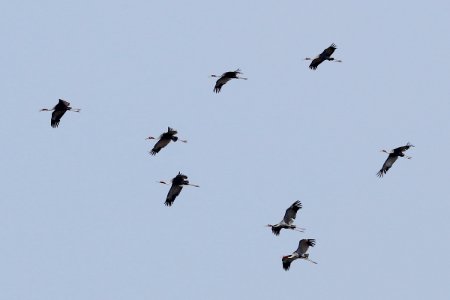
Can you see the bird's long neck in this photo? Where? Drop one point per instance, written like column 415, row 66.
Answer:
column 47, row 109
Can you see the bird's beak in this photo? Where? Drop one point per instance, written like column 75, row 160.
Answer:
column 150, row 138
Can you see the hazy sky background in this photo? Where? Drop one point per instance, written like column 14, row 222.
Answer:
column 81, row 214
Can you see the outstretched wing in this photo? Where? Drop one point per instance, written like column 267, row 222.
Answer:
column 316, row 62
column 63, row 103
column 220, row 82
column 402, row 148
column 171, row 131
column 304, row 244
column 291, row 212
column 159, row 145
column 174, row 191
column 329, row 51
column 287, row 260
column 56, row 117
column 387, row 165
column 276, row 230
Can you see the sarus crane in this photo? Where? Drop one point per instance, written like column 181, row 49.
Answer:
column 225, row 77
column 178, row 182
column 58, row 111
column 288, row 219
column 393, row 155
column 164, row 140
column 300, row 253
column 325, row 55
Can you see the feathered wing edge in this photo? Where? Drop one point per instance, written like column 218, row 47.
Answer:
column 286, row 260
column 276, row 230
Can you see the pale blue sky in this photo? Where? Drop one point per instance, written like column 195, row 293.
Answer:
column 81, row 216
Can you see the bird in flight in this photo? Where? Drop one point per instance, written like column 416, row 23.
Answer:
column 58, row 111
column 325, row 55
column 164, row 140
column 225, row 77
column 178, row 182
column 393, row 155
column 288, row 219
column 300, row 253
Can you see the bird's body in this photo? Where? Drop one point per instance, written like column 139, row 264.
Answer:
column 225, row 77
column 288, row 219
column 164, row 140
column 325, row 55
column 58, row 112
column 300, row 253
column 393, row 155
column 178, row 182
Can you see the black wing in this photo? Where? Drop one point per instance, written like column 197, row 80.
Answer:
column 304, row 244
column 387, row 164
column 171, row 131
column 276, row 230
column 56, row 117
column 287, row 260
column 180, row 179
column 291, row 212
column 329, row 51
column 316, row 62
column 163, row 142
column 174, row 191
column 63, row 103
column 402, row 148
column 220, row 82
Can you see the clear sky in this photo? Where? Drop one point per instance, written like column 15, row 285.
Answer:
column 81, row 213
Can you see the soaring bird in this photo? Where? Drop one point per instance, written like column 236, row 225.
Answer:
column 325, row 55
column 58, row 111
column 164, row 140
column 303, row 246
column 177, row 185
column 225, row 77
column 288, row 219
column 393, row 155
